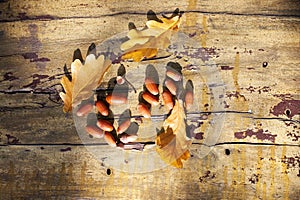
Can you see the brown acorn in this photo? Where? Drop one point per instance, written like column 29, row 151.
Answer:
column 102, row 108
column 151, row 86
column 171, row 86
column 126, row 138
column 144, row 110
column 105, row 125
column 173, row 74
column 189, row 94
column 84, row 109
column 116, row 99
column 168, row 100
column 124, row 126
column 109, row 138
column 95, row 131
column 153, row 100
column 189, row 99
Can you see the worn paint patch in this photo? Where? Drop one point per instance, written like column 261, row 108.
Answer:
column 290, row 108
column 201, row 53
column 292, row 162
column 199, row 136
column 260, row 90
column 259, row 134
column 33, row 57
column 207, row 176
column 283, row 96
column 66, row 149
column 36, row 81
column 294, row 135
column 236, row 95
column 12, row 139
column 9, row 77
column 226, row 67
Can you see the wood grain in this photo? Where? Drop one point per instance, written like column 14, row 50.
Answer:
column 257, row 154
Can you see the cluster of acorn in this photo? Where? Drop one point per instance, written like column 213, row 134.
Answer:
column 173, row 87
column 150, row 95
column 116, row 93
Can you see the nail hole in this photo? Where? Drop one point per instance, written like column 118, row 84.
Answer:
column 265, row 64
column 108, row 171
column 227, row 152
column 288, row 112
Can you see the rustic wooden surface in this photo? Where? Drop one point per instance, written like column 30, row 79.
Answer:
column 257, row 155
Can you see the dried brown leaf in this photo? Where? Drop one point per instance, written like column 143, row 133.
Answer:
column 172, row 143
column 85, row 78
column 146, row 42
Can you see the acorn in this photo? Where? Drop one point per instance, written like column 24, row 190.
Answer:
column 151, row 86
column 116, row 99
column 153, row 100
column 168, row 99
column 102, row 108
column 123, row 126
column 110, row 139
column 173, row 74
column 126, row 138
column 105, row 125
column 120, row 80
column 144, row 110
column 84, row 109
column 95, row 131
column 189, row 99
column 189, row 94
column 171, row 86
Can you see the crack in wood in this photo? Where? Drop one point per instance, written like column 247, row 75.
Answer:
column 53, row 17
column 145, row 143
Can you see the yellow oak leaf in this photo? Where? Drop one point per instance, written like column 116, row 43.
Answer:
column 156, row 35
column 172, row 143
column 85, row 78
column 140, row 54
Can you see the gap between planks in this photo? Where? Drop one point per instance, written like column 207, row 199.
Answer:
column 104, row 144
column 51, row 18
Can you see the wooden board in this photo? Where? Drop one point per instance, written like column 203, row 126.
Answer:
column 257, row 154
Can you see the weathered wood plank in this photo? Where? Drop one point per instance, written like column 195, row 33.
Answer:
column 257, row 154
column 48, row 10
column 230, row 171
column 264, row 91
column 34, row 119
column 38, row 67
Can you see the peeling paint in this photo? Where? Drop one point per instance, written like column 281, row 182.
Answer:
column 259, row 134
column 260, row 90
column 290, row 108
column 36, row 80
column 291, row 161
column 9, row 77
column 33, row 57
column 226, row 67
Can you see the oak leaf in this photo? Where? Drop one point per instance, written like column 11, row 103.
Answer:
column 172, row 143
column 156, row 35
column 85, row 78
